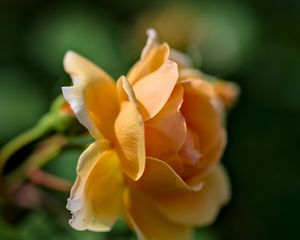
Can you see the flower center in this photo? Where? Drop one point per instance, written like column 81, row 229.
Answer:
column 190, row 151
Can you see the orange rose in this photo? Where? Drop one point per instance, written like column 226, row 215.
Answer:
column 158, row 139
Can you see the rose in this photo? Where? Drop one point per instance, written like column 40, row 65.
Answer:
column 158, row 139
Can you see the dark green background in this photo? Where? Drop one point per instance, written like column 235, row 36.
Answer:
column 263, row 153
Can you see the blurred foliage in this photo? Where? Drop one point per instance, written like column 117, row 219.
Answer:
column 216, row 34
column 75, row 28
column 14, row 80
column 37, row 226
column 255, row 43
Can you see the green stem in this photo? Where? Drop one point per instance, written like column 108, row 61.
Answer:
column 13, row 146
column 52, row 120
column 44, row 153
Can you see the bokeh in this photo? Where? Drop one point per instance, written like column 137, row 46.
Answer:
column 255, row 43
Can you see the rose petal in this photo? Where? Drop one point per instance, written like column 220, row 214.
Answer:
column 126, row 88
column 120, row 89
column 180, row 58
column 189, row 74
column 149, row 223
column 151, row 43
column 170, row 123
column 85, row 164
column 74, row 95
column 95, row 200
column 197, row 207
column 93, row 97
column 227, row 92
column 204, row 118
column 154, row 90
column 152, row 59
column 158, row 145
column 194, row 176
column 190, row 151
column 159, row 179
column 129, row 128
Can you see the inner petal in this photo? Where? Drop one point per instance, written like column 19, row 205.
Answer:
column 167, row 128
column 129, row 129
column 190, row 152
column 150, row 62
column 153, row 91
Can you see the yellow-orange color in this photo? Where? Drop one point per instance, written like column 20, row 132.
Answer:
column 159, row 136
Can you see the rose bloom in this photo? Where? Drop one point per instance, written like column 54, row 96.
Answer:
column 159, row 136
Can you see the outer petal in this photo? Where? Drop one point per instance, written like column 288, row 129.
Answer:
column 203, row 116
column 200, row 207
column 160, row 179
column 74, row 95
column 170, row 123
column 153, row 56
column 125, row 89
column 154, row 90
column 152, row 42
column 189, row 74
column 129, row 128
column 93, row 97
column 120, row 89
column 149, row 223
column 227, row 92
column 95, row 200
column 180, row 58
column 84, row 166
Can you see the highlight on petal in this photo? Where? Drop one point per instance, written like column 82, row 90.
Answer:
column 122, row 96
column 93, row 97
column 167, row 127
column 128, row 90
column 154, row 90
column 197, row 208
column 148, row 222
column 151, row 42
column 156, row 56
column 74, row 95
column 129, row 129
column 160, row 179
column 83, row 70
column 95, row 201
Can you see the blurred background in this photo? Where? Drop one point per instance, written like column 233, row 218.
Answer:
column 255, row 43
